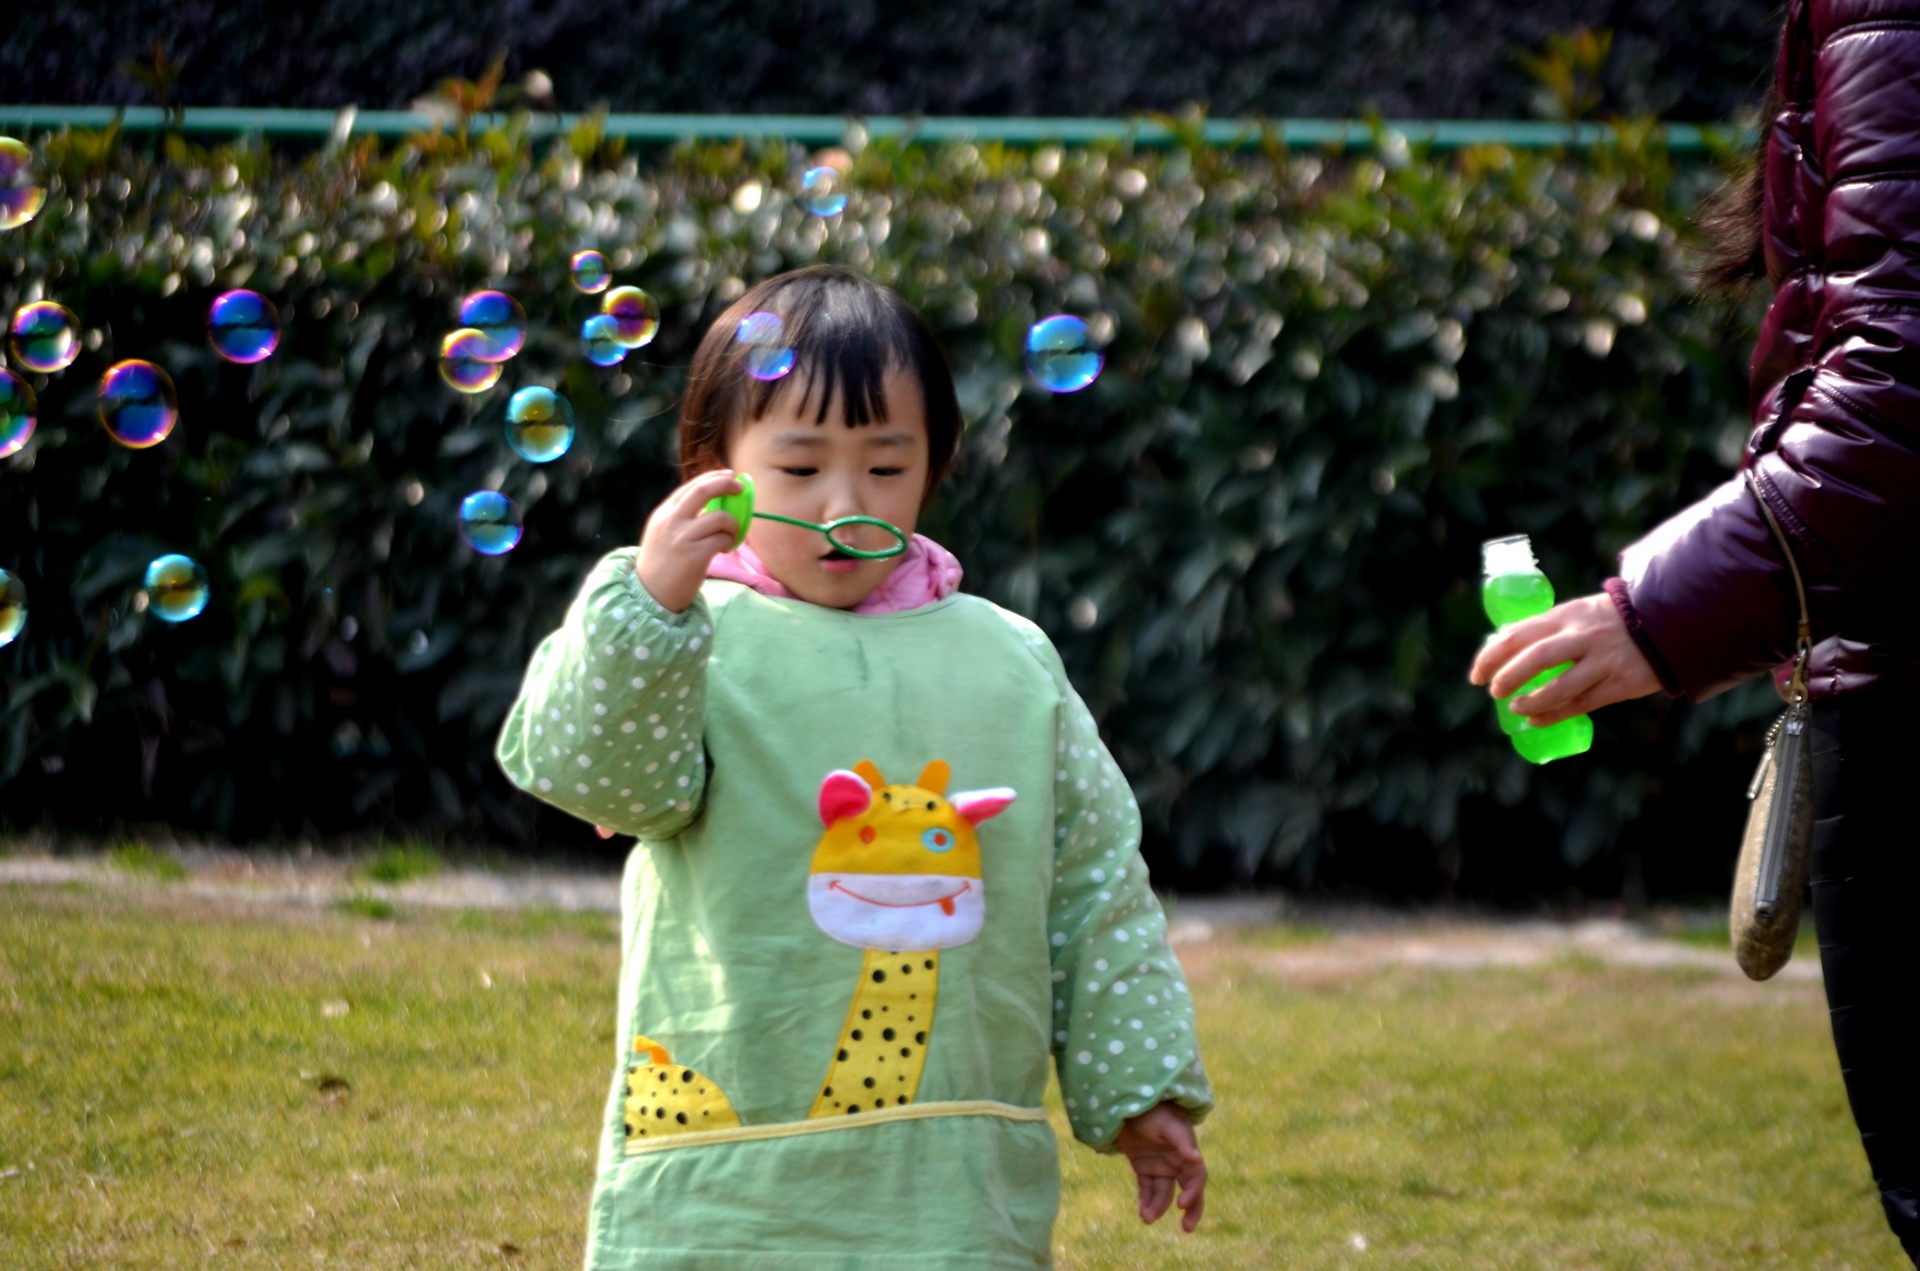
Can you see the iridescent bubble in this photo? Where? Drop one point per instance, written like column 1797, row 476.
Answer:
column 764, row 338
column 18, row 413
column 498, row 317
column 20, row 196
column 461, row 365
column 177, row 588
column 137, row 404
column 539, row 424
column 821, row 191
column 590, row 272
column 490, row 522
column 635, row 315
column 46, row 337
column 1058, row 355
column 13, row 608
column 244, row 327
column 600, row 340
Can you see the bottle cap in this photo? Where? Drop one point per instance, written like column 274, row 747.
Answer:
column 1510, row 555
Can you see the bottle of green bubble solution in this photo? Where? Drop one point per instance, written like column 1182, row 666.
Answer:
column 1515, row 589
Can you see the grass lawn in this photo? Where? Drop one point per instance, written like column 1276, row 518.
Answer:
column 186, row 1085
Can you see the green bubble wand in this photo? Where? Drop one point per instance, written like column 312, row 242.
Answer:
column 740, row 508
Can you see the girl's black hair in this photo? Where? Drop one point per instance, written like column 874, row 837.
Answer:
column 846, row 332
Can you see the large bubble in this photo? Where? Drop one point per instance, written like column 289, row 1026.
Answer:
column 461, row 363
column 21, row 195
column 46, row 337
column 244, row 327
column 137, row 404
column 539, row 424
column 498, row 317
column 1059, row 355
column 763, row 337
column 822, row 191
column 600, row 340
column 13, row 608
column 490, row 522
column 636, row 317
column 18, row 413
column 590, row 272
column 177, row 588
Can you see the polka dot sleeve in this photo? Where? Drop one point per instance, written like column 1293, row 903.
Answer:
column 1123, row 1020
column 609, row 720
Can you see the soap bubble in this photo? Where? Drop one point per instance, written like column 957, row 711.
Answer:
column 17, row 413
column 46, row 337
column 821, row 191
column 635, row 315
column 461, row 363
column 499, row 318
column 137, row 404
column 539, row 424
column 20, row 197
column 600, row 339
column 590, row 273
column 1058, row 355
column 176, row 588
column 244, row 327
column 490, row 522
column 764, row 337
column 13, row 608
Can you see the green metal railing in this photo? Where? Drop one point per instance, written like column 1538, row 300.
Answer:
column 826, row 129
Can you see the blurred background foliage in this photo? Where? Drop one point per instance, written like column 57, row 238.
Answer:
column 1701, row 60
column 1255, row 538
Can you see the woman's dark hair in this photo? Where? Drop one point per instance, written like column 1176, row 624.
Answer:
column 846, row 332
column 1732, row 219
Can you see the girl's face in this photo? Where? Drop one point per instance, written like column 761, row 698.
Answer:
column 823, row 471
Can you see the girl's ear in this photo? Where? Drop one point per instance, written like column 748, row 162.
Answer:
column 843, row 794
column 980, row 805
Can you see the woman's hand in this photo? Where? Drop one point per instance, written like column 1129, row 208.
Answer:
column 680, row 539
column 1161, row 1147
column 1608, row 666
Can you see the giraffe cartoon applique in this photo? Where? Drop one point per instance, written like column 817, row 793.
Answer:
column 666, row 1098
column 896, row 874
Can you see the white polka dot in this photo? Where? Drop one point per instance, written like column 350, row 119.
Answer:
column 1058, row 976
column 1121, row 935
column 1134, row 1024
column 638, row 682
column 628, row 727
column 1099, row 875
column 1170, row 1062
column 660, row 733
column 569, row 730
column 597, row 731
column 694, row 643
column 642, row 652
column 625, row 793
column 599, row 685
column 544, row 784
column 599, row 708
column 1093, row 986
column 1115, row 1047
column 683, row 782
column 606, row 781
column 1120, row 987
column 1060, row 1038
column 636, row 807
column 580, row 786
column 673, row 756
column 1152, row 1044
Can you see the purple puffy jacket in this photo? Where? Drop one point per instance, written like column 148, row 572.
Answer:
column 1836, row 390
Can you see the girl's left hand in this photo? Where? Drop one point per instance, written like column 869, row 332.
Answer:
column 1161, row 1147
column 1608, row 666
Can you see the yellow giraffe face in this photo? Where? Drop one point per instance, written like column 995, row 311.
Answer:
column 899, row 865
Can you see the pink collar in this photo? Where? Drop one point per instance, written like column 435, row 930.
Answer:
column 927, row 572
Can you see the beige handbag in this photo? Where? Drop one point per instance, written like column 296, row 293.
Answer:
column 1770, row 883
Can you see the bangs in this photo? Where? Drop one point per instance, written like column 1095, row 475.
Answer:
column 846, row 332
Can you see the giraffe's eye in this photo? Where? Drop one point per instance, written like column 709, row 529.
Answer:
column 937, row 840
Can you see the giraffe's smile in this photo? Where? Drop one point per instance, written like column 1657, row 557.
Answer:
column 945, row 902
column 897, row 911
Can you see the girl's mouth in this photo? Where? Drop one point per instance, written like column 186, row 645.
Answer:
column 838, row 562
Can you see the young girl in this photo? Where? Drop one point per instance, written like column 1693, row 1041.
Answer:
column 886, row 866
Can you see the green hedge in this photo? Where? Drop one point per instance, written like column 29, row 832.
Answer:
column 1255, row 538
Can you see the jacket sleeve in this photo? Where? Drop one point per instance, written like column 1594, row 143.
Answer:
column 1841, row 467
column 608, row 724
column 1123, row 1020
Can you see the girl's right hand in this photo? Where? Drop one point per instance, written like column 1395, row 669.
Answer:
column 680, row 539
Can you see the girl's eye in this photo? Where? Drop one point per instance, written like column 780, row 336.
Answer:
column 937, row 840
column 799, row 472
column 887, row 472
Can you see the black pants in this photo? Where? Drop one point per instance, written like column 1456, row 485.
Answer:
column 1866, row 882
